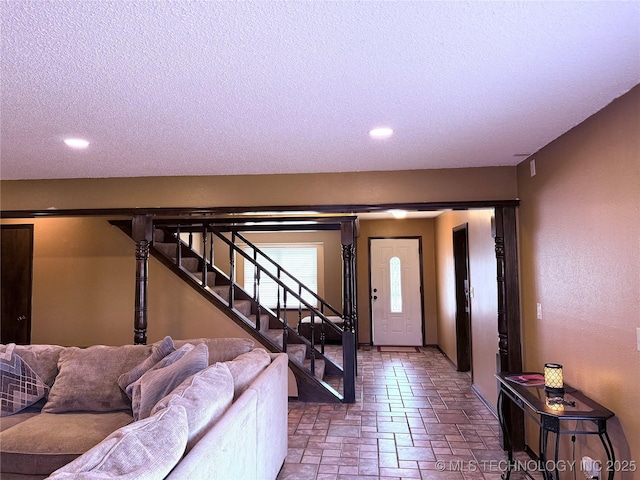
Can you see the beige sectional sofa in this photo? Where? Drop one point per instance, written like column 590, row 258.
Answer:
column 189, row 409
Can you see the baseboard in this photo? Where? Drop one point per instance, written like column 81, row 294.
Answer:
column 448, row 359
column 489, row 406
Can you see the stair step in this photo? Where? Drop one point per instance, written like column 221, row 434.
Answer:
column 167, row 249
column 211, row 278
column 158, row 235
column 297, row 351
column 275, row 335
column 264, row 322
column 191, row 264
column 319, row 373
column 243, row 306
column 222, row 290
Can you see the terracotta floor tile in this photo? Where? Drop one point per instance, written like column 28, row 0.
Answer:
column 411, row 410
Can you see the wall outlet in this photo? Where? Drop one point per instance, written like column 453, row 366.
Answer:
column 539, row 311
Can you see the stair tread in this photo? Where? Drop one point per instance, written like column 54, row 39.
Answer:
column 319, row 367
column 297, row 351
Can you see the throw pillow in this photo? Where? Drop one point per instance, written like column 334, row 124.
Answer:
column 205, row 396
column 88, row 378
column 43, row 359
column 245, row 369
column 159, row 351
column 144, row 450
column 221, row 349
column 20, row 386
column 158, row 382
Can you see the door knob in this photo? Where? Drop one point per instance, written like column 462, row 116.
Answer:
column 21, row 318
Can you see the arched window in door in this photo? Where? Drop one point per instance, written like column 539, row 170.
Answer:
column 395, row 282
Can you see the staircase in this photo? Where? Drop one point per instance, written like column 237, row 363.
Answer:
column 315, row 373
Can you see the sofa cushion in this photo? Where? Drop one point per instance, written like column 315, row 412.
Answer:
column 12, row 420
column 205, row 396
column 246, row 367
column 47, row 441
column 159, row 351
column 20, row 386
column 158, row 382
column 221, row 349
column 147, row 449
column 88, row 378
column 43, row 359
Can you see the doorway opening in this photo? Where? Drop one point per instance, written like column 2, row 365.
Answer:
column 16, row 258
column 463, row 304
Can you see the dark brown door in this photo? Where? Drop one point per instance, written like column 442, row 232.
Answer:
column 463, row 305
column 16, row 268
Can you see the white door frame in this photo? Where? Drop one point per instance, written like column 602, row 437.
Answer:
column 370, row 286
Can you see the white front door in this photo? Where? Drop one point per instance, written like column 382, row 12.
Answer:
column 396, row 305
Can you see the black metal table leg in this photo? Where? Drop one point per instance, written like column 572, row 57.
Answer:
column 505, row 435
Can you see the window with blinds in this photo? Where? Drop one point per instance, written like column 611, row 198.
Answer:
column 300, row 260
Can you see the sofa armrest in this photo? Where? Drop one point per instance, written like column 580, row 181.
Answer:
column 228, row 449
column 271, row 387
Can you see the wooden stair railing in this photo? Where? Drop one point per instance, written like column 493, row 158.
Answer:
column 197, row 267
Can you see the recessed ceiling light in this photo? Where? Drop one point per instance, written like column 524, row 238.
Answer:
column 76, row 143
column 380, row 132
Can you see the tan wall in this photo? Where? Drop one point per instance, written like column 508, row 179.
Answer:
column 464, row 184
column 580, row 259
column 484, row 304
column 397, row 228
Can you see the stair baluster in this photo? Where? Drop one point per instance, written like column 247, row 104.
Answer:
column 178, row 248
column 232, row 269
column 256, row 293
column 284, row 323
column 204, row 256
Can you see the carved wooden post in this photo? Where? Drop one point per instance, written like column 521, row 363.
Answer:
column 509, row 335
column 347, row 230
column 142, row 231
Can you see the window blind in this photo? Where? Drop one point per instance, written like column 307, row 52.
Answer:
column 299, row 260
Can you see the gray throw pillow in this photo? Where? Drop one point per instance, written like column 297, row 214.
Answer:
column 88, row 378
column 20, row 386
column 158, row 382
column 245, row 368
column 205, row 396
column 159, row 351
column 144, row 450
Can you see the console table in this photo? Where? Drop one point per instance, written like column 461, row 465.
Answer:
column 549, row 416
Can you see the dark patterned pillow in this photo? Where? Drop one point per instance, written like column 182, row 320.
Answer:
column 20, row 386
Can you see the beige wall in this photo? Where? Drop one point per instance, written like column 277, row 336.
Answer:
column 397, row 228
column 580, row 259
column 448, row 185
column 484, row 305
column 84, row 287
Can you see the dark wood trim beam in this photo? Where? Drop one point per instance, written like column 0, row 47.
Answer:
column 213, row 211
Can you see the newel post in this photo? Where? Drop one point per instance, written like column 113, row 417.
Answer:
column 509, row 332
column 141, row 232
column 349, row 312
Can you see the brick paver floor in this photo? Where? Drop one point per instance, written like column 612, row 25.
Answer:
column 415, row 417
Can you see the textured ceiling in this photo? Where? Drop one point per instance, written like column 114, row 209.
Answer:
column 208, row 88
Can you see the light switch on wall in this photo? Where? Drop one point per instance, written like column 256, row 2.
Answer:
column 539, row 311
